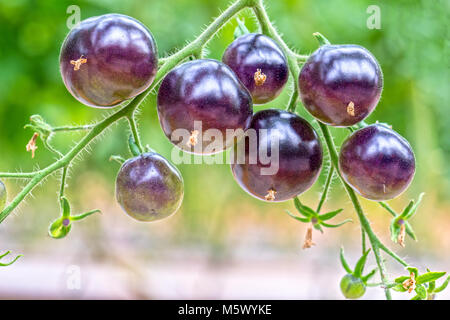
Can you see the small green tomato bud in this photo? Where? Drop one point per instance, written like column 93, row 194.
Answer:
column 352, row 287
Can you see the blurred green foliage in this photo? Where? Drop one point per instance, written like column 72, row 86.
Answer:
column 411, row 46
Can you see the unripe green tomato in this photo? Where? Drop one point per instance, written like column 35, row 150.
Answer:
column 2, row 196
column 352, row 287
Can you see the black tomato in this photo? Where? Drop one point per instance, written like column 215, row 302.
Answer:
column 260, row 64
column 341, row 85
column 201, row 96
column 377, row 162
column 108, row 59
column 282, row 156
column 149, row 187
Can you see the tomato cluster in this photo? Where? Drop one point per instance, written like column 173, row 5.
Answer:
column 109, row 59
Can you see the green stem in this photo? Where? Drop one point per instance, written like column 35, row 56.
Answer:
column 326, row 188
column 365, row 224
column 127, row 111
column 292, row 58
column 52, row 149
column 135, row 132
column 72, row 128
column 18, row 175
column 63, row 182
column 408, row 227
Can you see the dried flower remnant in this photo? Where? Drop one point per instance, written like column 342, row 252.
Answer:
column 410, row 284
column 308, row 239
column 259, row 77
column 351, row 108
column 77, row 63
column 31, row 145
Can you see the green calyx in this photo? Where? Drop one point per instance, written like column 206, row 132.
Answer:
column 60, row 227
column 399, row 224
column 317, row 220
column 241, row 29
column 2, row 264
column 39, row 125
column 321, row 39
column 424, row 285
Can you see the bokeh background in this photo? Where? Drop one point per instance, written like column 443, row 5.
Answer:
column 222, row 243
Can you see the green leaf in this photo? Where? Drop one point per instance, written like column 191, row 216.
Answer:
column 416, row 297
column 336, row 225
column 369, row 275
column 421, row 292
column 81, row 216
column 395, row 230
column 409, row 231
column 359, row 268
column 318, row 227
column 430, row 276
column 119, row 159
column 11, row 262
column 431, row 286
column 5, row 254
column 241, row 29
column 305, row 220
column 406, row 210
column 399, row 288
column 413, row 210
column 344, row 262
column 65, row 207
column 304, row 210
column 413, row 270
column 401, row 279
column 321, row 39
column 443, row 286
column 329, row 215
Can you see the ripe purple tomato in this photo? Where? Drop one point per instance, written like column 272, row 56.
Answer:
column 341, row 85
column 198, row 96
column 293, row 148
column 377, row 162
column 260, row 64
column 108, row 59
column 149, row 188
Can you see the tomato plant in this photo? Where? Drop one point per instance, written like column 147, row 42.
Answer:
column 112, row 59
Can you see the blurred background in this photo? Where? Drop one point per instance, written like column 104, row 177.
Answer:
column 223, row 243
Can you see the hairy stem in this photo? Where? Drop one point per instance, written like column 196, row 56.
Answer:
column 126, row 111
column 72, row 128
column 63, row 182
column 365, row 224
column 135, row 132
column 292, row 58
column 326, row 188
column 18, row 175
